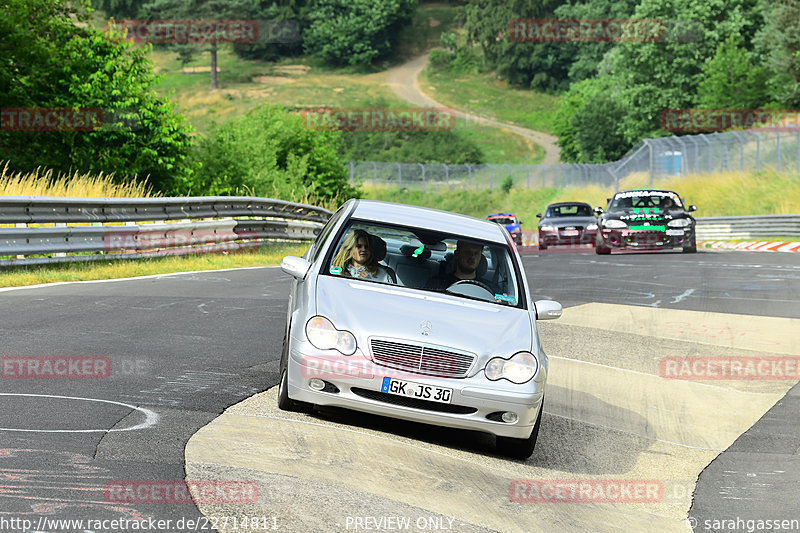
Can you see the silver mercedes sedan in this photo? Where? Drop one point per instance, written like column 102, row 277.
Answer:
column 417, row 314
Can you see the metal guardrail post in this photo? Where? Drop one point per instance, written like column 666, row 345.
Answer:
column 741, row 148
column 649, row 144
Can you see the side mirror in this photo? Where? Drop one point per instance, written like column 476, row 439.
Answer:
column 692, row 208
column 296, row 267
column 598, row 211
column 521, row 222
column 538, row 215
column 547, row 310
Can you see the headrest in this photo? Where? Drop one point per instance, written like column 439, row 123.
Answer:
column 450, row 265
column 408, row 250
column 378, row 247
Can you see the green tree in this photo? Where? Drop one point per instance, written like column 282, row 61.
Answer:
column 268, row 152
column 542, row 66
column 587, row 122
column 666, row 74
column 586, row 57
column 355, row 32
column 119, row 9
column 778, row 45
column 730, row 80
column 49, row 61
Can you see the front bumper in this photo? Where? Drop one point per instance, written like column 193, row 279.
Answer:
column 355, row 382
column 647, row 240
column 553, row 238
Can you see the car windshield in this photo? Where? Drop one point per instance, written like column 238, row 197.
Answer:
column 426, row 260
column 646, row 199
column 568, row 211
column 505, row 221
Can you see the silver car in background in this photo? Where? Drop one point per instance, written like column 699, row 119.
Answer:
column 414, row 341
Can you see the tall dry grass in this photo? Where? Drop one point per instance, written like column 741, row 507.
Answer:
column 42, row 182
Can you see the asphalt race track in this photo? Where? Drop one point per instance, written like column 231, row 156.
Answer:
column 180, row 385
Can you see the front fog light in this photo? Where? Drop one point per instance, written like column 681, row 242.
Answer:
column 316, row 384
column 509, row 417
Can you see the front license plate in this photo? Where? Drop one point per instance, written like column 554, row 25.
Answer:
column 409, row 389
column 674, row 232
column 570, row 233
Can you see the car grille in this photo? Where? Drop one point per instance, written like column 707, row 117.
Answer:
column 571, row 226
column 421, row 358
column 413, row 402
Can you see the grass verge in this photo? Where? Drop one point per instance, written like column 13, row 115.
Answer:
column 126, row 268
column 485, row 95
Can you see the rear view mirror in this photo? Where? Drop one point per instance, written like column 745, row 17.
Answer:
column 296, row 267
column 547, row 310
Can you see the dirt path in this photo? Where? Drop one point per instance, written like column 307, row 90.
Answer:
column 403, row 80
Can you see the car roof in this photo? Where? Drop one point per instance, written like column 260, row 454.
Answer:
column 559, row 204
column 425, row 217
column 500, row 215
column 646, row 191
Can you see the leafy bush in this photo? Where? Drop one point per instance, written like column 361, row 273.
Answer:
column 587, row 123
column 269, row 153
column 355, row 32
column 49, row 61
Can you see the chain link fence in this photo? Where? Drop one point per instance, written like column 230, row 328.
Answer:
column 656, row 159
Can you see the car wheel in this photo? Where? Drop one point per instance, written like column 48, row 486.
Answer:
column 284, row 402
column 600, row 246
column 542, row 245
column 692, row 247
column 520, row 448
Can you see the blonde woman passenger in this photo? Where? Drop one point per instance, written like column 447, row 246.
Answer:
column 357, row 259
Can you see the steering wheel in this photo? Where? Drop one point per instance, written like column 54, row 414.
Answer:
column 480, row 284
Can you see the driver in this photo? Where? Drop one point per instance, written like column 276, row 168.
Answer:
column 468, row 256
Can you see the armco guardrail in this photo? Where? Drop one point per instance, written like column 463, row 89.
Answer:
column 748, row 227
column 86, row 229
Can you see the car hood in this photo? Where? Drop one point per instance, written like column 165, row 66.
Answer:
column 376, row 310
column 640, row 215
column 569, row 221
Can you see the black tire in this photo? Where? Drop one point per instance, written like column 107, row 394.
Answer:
column 692, row 247
column 284, row 402
column 600, row 246
column 542, row 246
column 520, row 448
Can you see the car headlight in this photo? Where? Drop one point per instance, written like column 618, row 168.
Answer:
column 518, row 369
column 323, row 335
column 679, row 223
column 591, row 227
column 614, row 224
column 548, row 227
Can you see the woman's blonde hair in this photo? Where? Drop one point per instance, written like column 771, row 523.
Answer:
column 345, row 253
